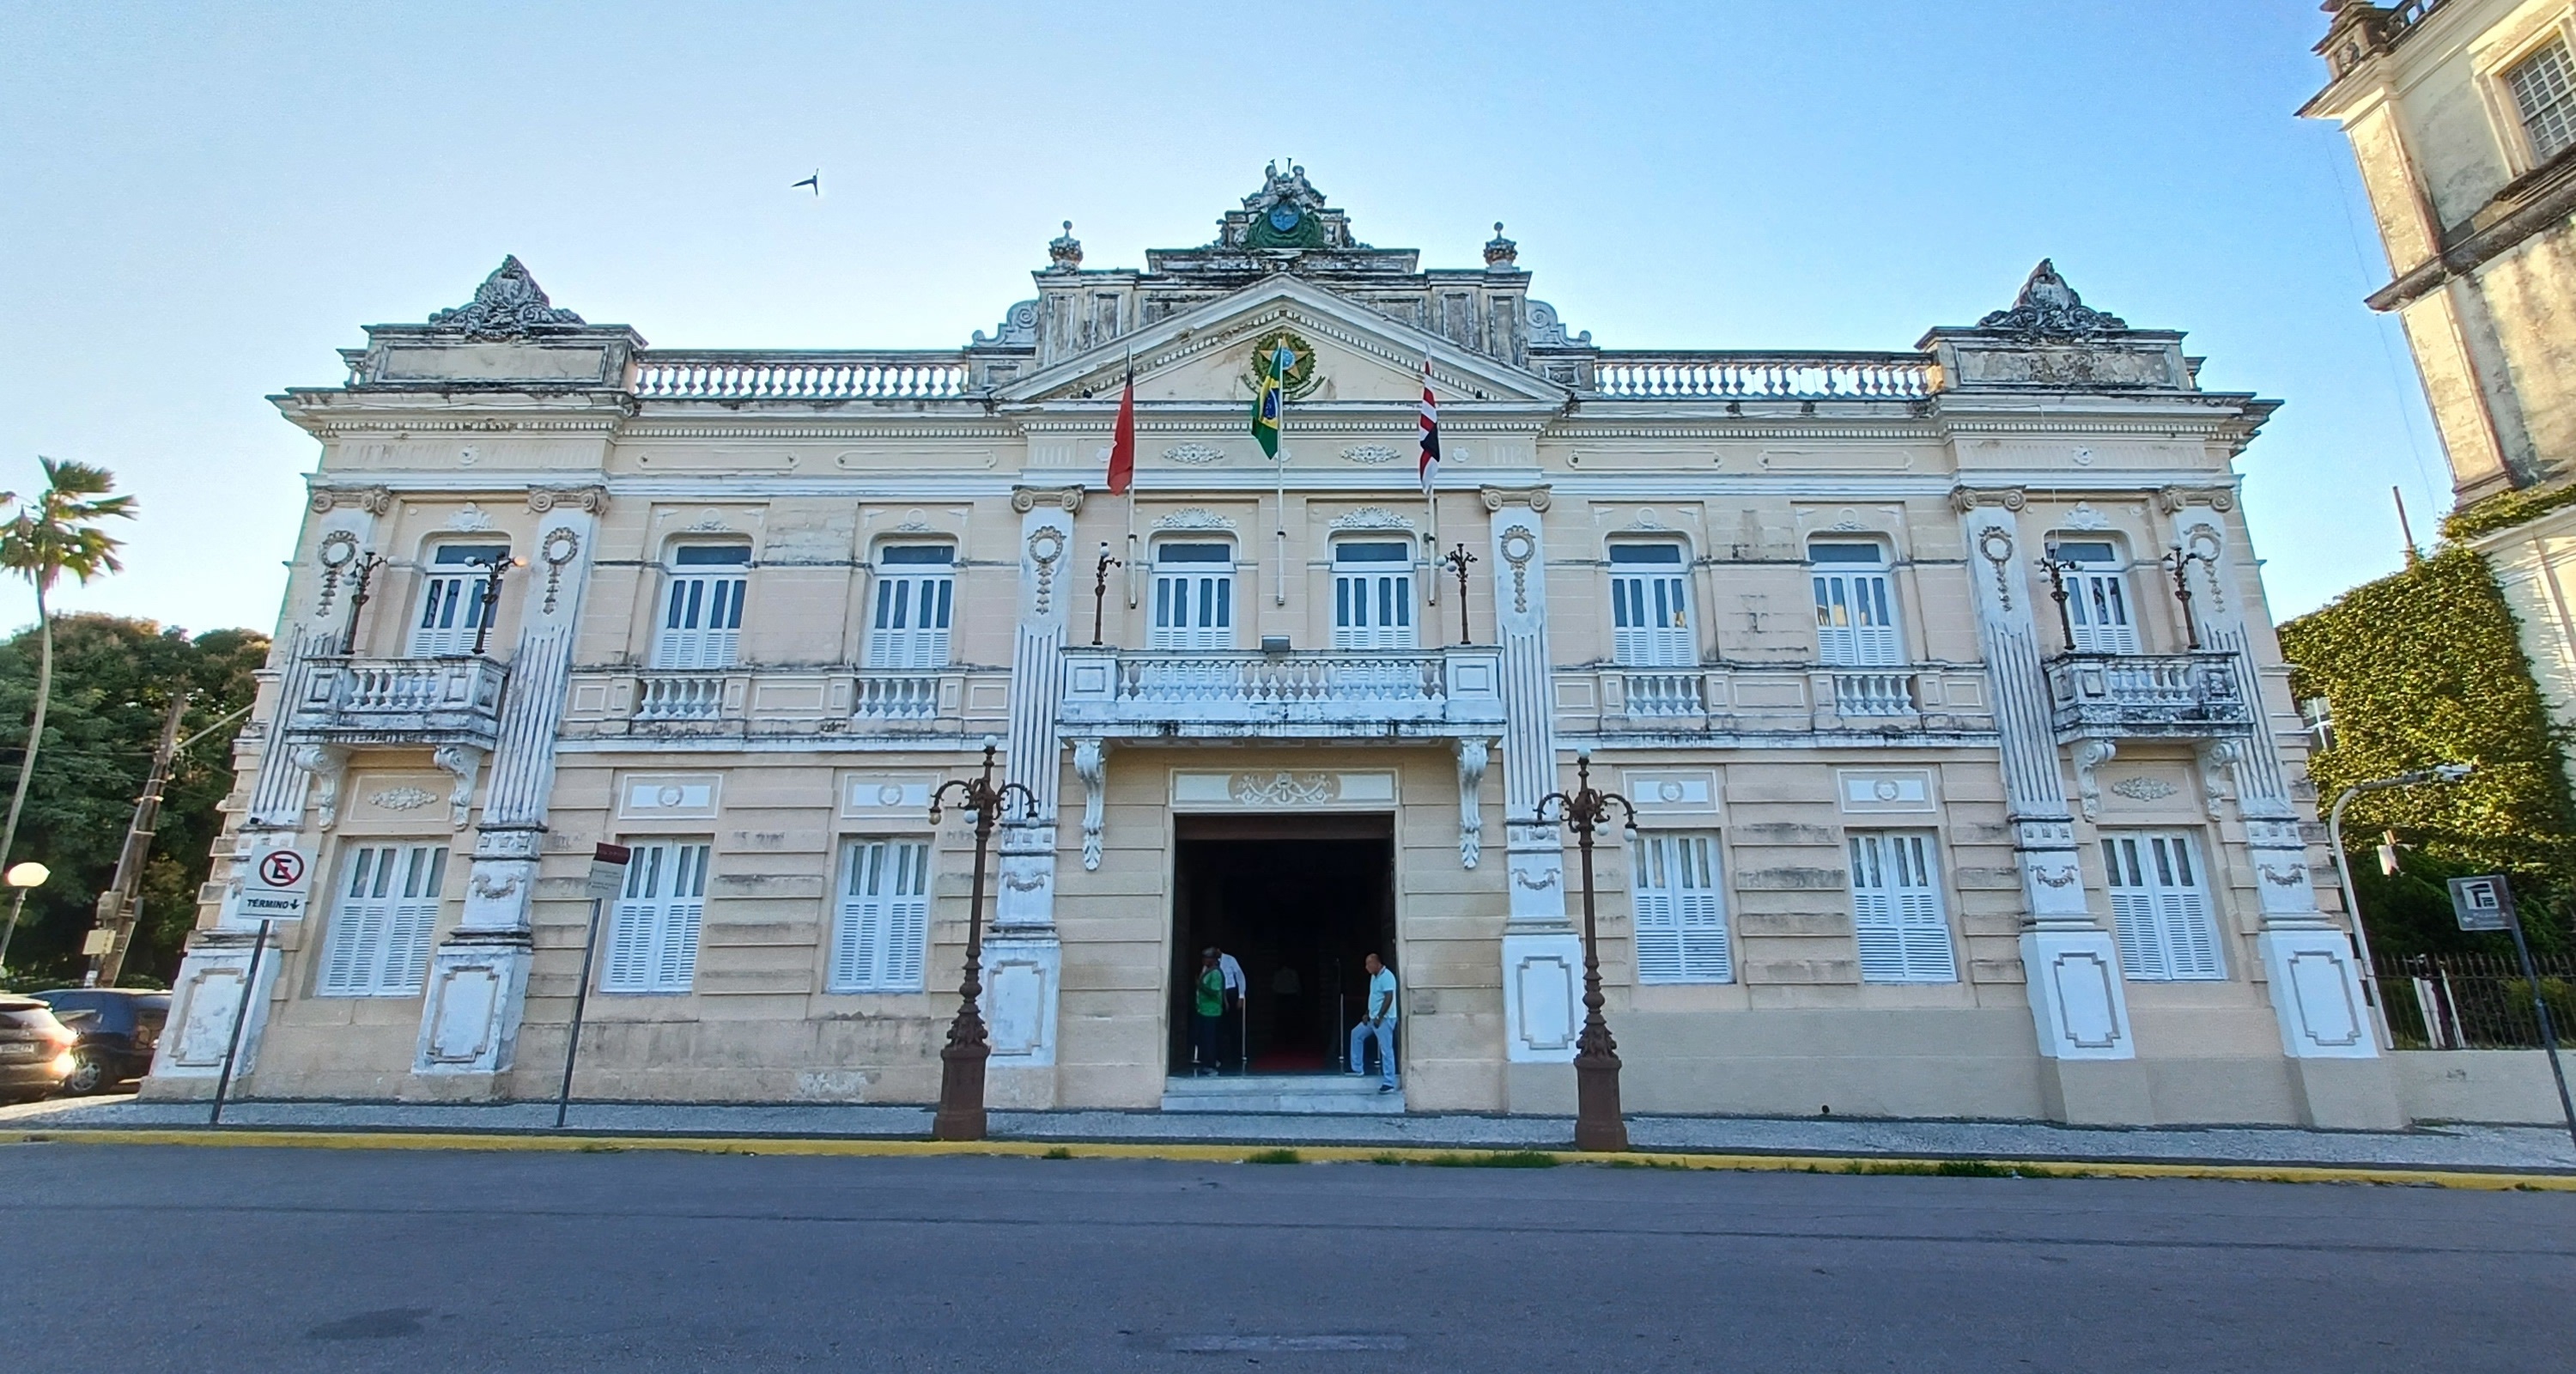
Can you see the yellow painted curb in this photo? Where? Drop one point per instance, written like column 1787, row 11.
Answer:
column 1302, row 1154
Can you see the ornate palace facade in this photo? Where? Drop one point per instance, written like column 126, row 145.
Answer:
column 1952, row 798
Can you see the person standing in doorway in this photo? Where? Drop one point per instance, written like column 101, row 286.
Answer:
column 1377, row 1022
column 1207, row 1022
column 1232, row 1046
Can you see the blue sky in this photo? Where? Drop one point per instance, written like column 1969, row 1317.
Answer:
column 203, row 201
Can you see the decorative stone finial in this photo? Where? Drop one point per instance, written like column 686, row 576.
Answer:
column 508, row 305
column 1500, row 252
column 1064, row 251
column 2048, row 310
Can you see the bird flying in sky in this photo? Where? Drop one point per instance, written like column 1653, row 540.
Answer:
column 815, row 181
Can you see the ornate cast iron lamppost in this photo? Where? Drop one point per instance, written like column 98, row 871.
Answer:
column 2057, row 568
column 1597, row 1121
column 360, row 578
column 491, row 597
column 961, row 1061
column 1100, row 589
column 1456, row 560
column 2179, row 562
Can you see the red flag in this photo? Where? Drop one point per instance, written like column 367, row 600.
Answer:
column 1122, row 442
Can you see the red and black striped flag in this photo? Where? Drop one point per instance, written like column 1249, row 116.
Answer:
column 1430, row 431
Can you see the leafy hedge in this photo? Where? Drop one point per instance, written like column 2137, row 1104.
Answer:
column 2505, row 510
column 2425, row 667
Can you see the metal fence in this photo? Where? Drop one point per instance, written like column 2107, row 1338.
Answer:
column 2475, row 1001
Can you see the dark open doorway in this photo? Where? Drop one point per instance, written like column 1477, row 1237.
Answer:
column 1297, row 900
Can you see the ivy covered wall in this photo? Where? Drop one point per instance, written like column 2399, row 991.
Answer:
column 2426, row 667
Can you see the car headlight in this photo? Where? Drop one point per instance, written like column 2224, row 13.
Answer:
column 64, row 1063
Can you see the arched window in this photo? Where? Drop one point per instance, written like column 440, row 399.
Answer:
column 702, row 614
column 2097, row 596
column 1193, row 596
column 1855, row 604
column 1373, row 594
column 916, row 595
column 1650, row 616
column 451, row 598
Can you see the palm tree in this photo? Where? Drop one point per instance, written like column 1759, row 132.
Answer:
column 54, row 533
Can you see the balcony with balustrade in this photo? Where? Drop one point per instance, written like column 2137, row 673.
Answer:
column 398, row 701
column 779, row 375
column 2191, row 696
column 1739, row 376
column 1188, row 694
column 922, row 706
column 1926, row 700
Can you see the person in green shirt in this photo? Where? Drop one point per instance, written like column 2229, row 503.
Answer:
column 1208, row 1020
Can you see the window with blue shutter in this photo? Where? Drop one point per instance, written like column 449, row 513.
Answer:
column 381, row 920
column 1650, row 615
column 702, row 608
column 2160, row 906
column 916, row 593
column 1680, row 910
column 653, row 937
column 884, row 918
column 1904, row 935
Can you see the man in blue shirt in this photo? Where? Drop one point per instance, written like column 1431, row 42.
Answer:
column 1377, row 1021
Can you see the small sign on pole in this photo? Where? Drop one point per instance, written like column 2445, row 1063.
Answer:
column 607, row 880
column 2483, row 903
column 275, row 885
column 2486, row 903
column 608, row 871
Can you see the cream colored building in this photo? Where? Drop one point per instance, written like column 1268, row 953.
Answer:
column 1916, row 834
column 2462, row 115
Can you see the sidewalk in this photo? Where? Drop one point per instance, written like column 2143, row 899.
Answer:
column 2511, row 1148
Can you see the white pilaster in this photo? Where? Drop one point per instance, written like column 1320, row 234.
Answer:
column 1024, row 960
column 478, row 974
column 1542, row 957
column 205, row 999
column 2071, row 965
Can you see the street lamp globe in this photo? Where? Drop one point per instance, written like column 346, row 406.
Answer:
column 22, row 877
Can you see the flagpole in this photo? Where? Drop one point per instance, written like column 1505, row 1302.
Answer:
column 1431, row 504
column 1131, row 498
column 1279, row 469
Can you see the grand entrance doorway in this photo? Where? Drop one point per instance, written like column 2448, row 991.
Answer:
column 1299, row 901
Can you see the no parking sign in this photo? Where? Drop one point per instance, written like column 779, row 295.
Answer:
column 275, row 884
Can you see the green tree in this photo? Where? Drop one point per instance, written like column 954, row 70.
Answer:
column 112, row 684
column 54, row 532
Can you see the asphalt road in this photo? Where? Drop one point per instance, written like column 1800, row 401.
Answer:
column 149, row 1259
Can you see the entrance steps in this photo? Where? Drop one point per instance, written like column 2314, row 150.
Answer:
column 1319, row 1094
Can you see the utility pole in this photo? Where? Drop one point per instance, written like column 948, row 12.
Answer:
column 116, row 906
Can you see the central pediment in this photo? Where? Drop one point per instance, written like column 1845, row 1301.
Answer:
column 1345, row 354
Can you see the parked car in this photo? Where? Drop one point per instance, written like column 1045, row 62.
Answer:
column 35, row 1049
column 117, row 1027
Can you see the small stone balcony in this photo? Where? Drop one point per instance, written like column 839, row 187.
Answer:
column 1895, row 700
column 1360, row 695
column 785, row 701
column 2147, row 696
column 399, row 701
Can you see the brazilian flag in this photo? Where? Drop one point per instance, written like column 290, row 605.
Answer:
column 1266, row 401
